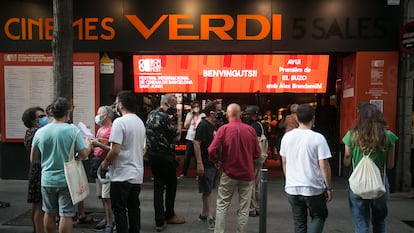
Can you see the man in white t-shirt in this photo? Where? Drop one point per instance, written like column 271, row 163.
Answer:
column 127, row 167
column 305, row 155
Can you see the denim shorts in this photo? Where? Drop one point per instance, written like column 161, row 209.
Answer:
column 208, row 181
column 56, row 199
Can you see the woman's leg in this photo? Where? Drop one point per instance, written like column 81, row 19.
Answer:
column 38, row 217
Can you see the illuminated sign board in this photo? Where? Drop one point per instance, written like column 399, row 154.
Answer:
column 206, row 27
column 230, row 73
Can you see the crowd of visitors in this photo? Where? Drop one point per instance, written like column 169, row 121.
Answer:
column 228, row 155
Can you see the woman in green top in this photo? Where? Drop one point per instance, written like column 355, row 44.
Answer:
column 369, row 136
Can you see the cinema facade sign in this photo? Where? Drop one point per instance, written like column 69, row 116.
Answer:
column 214, row 26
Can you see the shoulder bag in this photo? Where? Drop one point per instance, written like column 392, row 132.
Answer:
column 264, row 146
column 76, row 176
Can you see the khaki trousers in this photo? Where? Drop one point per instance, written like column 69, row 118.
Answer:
column 225, row 193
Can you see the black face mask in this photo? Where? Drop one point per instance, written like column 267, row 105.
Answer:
column 171, row 111
column 247, row 120
column 219, row 118
column 219, row 115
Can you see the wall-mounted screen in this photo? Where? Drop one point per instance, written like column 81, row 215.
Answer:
column 230, row 73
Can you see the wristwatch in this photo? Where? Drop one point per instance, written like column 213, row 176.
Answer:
column 329, row 189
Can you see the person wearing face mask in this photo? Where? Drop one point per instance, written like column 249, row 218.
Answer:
column 251, row 117
column 191, row 121
column 101, row 147
column 162, row 134
column 34, row 118
column 207, row 172
column 127, row 164
column 53, row 142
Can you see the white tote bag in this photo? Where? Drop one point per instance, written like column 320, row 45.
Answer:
column 365, row 181
column 76, row 176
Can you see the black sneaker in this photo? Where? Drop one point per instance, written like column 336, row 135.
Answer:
column 202, row 218
column 211, row 224
column 252, row 214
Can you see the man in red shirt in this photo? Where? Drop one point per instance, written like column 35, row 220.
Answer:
column 239, row 147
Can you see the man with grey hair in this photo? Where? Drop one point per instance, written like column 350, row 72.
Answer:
column 163, row 130
column 101, row 145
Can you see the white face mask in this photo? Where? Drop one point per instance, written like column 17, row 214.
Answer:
column 196, row 109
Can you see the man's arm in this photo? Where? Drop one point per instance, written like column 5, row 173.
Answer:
column 84, row 153
column 326, row 173
column 197, row 152
column 179, row 125
column 283, row 164
column 112, row 155
column 34, row 155
column 95, row 142
column 214, row 146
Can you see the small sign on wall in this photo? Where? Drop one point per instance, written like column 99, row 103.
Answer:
column 106, row 64
column 107, row 68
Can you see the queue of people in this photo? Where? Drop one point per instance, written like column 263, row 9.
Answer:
column 227, row 157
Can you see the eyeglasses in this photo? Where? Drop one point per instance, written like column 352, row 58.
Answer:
column 41, row 116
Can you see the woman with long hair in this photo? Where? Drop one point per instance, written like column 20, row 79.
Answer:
column 370, row 137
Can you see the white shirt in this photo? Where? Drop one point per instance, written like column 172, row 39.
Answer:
column 303, row 148
column 129, row 132
column 193, row 124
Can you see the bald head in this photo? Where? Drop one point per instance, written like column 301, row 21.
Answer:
column 233, row 111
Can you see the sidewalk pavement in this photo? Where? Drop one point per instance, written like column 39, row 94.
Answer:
column 279, row 217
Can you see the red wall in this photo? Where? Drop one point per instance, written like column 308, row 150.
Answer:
column 369, row 77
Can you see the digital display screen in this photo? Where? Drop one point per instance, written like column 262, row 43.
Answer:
column 230, row 73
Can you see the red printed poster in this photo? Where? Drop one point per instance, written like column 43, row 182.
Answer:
column 370, row 77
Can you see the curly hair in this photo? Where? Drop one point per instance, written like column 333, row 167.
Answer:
column 29, row 115
column 369, row 132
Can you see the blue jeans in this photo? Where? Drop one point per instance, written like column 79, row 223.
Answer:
column 318, row 211
column 364, row 211
column 189, row 152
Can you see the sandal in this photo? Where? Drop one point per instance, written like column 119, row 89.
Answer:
column 4, row 204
